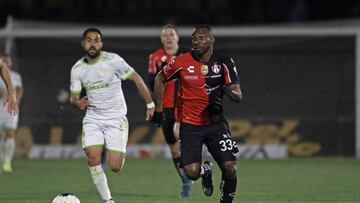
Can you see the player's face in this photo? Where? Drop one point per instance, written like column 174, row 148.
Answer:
column 202, row 40
column 92, row 44
column 169, row 38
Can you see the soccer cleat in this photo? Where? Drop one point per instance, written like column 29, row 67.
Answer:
column 7, row 167
column 109, row 201
column 186, row 188
column 206, row 181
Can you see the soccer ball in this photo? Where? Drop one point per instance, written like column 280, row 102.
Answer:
column 66, row 198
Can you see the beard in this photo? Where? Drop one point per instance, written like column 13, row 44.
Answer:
column 199, row 53
column 93, row 53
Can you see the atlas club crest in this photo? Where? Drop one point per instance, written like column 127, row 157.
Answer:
column 215, row 68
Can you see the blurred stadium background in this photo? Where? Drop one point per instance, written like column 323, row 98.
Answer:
column 299, row 77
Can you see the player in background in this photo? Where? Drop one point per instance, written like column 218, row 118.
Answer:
column 157, row 60
column 205, row 76
column 105, row 122
column 9, row 123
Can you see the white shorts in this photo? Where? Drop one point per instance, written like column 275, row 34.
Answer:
column 111, row 133
column 8, row 121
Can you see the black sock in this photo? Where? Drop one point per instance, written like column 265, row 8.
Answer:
column 228, row 188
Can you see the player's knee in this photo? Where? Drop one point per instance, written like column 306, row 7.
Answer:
column 192, row 172
column 229, row 169
column 93, row 160
column 115, row 169
column 116, row 166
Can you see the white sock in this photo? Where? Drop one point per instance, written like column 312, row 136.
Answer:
column 99, row 178
column 8, row 149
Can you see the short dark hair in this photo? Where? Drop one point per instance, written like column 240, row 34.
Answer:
column 207, row 27
column 91, row 29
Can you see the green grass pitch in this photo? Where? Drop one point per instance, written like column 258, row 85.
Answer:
column 317, row 180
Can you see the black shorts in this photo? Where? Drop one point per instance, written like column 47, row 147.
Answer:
column 168, row 126
column 216, row 137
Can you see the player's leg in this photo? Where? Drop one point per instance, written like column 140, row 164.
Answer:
column 93, row 141
column 191, row 141
column 222, row 148
column 228, row 181
column 116, row 136
column 8, row 148
column 116, row 160
column 96, row 171
column 171, row 133
column 8, row 144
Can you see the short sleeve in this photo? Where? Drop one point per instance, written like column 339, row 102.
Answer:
column 17, row 81
column 75, row 82
column 123, row 69
column 230, row 72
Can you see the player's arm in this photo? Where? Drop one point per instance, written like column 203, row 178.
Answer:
column 158, row 91
column 75, row 88
column 10, row 100
column 158, row 117
column 144, row 92
column 77, row 102
column 234, row 92
column 232, row 82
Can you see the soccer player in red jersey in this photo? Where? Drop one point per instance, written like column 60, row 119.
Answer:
column 157, row 60
column 204, row 76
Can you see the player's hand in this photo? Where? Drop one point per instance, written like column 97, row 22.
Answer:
column 157, row 118
column 150, row 113
column 11, row 104
column 83, row 103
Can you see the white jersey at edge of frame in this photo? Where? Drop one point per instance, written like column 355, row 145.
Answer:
column 16, row 81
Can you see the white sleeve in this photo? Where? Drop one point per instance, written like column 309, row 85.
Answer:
column 75, row 83
column 122, row 68
column 17, row 82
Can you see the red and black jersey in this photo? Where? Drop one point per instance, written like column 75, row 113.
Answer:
column 201, row 85
column 157, row 60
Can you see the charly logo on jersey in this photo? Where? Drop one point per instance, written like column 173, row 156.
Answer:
column 216, row 68
column 204, row 69
column 190, row 69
